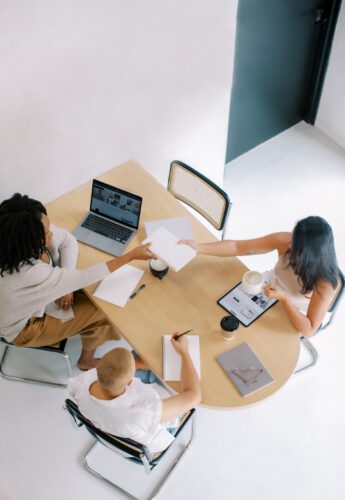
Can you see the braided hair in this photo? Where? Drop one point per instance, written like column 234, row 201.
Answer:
column 22, row 234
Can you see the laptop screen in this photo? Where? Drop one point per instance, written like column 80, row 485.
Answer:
column 115, row 204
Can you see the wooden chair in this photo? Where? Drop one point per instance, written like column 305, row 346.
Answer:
column 200, row 193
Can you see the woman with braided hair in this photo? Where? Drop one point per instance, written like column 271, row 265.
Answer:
column 38, row 281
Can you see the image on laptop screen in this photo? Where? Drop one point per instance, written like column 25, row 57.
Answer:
column 115, row 204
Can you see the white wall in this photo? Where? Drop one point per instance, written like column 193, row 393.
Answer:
column 330, row 118
column 89, row 84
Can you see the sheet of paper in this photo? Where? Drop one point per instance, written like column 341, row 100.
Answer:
column 172, row 360
column 178, row 226
column 165, row 245
column 53, row 310
column 118, row 286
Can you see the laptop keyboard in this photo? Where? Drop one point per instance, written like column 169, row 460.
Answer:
column 108, row 229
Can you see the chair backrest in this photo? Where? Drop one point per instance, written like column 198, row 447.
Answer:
column 200, row 193
column 58, row 347
column 336, row 301
column 120, row 445
column 123, row 446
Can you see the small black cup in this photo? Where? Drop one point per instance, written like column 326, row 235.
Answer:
column 229, row 323
column 158, row 273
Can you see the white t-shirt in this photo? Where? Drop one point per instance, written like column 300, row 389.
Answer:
column 135, row 414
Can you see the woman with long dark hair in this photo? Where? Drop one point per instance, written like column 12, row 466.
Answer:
column 38, row 279
column 306, row 275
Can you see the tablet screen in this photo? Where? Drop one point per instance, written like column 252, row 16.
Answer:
column 247, row 308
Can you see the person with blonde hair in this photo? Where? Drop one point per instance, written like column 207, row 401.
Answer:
column 117, row 401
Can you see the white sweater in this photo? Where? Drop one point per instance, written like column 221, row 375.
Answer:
column 26, row 293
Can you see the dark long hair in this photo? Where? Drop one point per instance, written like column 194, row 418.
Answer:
column 312, row 253
column 22, row 235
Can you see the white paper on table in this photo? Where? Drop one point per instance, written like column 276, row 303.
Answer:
column 118, row 286
column 165, row 245
column 178, row 226
column 63, row 315
column 172, row 360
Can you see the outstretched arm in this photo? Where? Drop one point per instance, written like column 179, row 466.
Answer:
column 190, row 394
column 232, row 248
column 139, row 253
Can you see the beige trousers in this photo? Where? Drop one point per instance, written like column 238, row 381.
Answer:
column 89, row 322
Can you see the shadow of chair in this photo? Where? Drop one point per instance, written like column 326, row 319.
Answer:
column 306, row 342
column 189, row 186
column 129, row 449
column 58, row 350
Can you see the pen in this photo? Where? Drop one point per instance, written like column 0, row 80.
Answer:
column 137, row 291
column 184, row 333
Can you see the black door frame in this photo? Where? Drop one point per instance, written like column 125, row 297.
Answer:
column 329, row 18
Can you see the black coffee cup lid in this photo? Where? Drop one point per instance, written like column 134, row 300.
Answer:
column 229, row 323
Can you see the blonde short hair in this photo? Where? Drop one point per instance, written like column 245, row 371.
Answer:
column 115, row 369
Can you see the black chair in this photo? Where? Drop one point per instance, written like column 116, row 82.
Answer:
column 200, row 193
column 59, row 350
column 307, row 344
column 129, row 449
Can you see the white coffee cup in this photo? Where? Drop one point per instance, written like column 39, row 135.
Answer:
column 252, row 282
column 158, row 268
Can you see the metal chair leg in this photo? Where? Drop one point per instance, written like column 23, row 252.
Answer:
column 102, row 478
column 30, row 380
column 313, row 353
column 68, row 363
column 163, row 480
column 176, row 461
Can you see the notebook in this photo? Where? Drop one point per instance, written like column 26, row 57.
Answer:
column 117, row 286
column 165, row 245
column 244, row 368
column 172, row 360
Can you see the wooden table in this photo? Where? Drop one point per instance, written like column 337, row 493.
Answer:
column 186, row 299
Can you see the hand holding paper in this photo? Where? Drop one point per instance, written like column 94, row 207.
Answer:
column 165, row 245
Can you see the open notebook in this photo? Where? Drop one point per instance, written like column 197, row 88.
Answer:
column 172, row 360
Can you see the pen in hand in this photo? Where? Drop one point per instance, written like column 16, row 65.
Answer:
column 137, row 291
column 184, row 333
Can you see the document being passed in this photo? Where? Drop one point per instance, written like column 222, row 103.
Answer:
column 172, row 360
column 165, row 245
column 117, row 287
column 179, row 226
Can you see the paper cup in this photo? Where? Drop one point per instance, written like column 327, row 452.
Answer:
column 229, row 324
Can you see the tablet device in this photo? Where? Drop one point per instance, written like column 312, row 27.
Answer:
column 246, row 308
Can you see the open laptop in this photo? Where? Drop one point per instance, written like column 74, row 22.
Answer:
column 113, row 219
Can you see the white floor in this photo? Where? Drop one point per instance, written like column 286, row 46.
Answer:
column 288, row 447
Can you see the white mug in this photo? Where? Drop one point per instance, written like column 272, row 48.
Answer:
column 252, row 282
column 158, row 268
